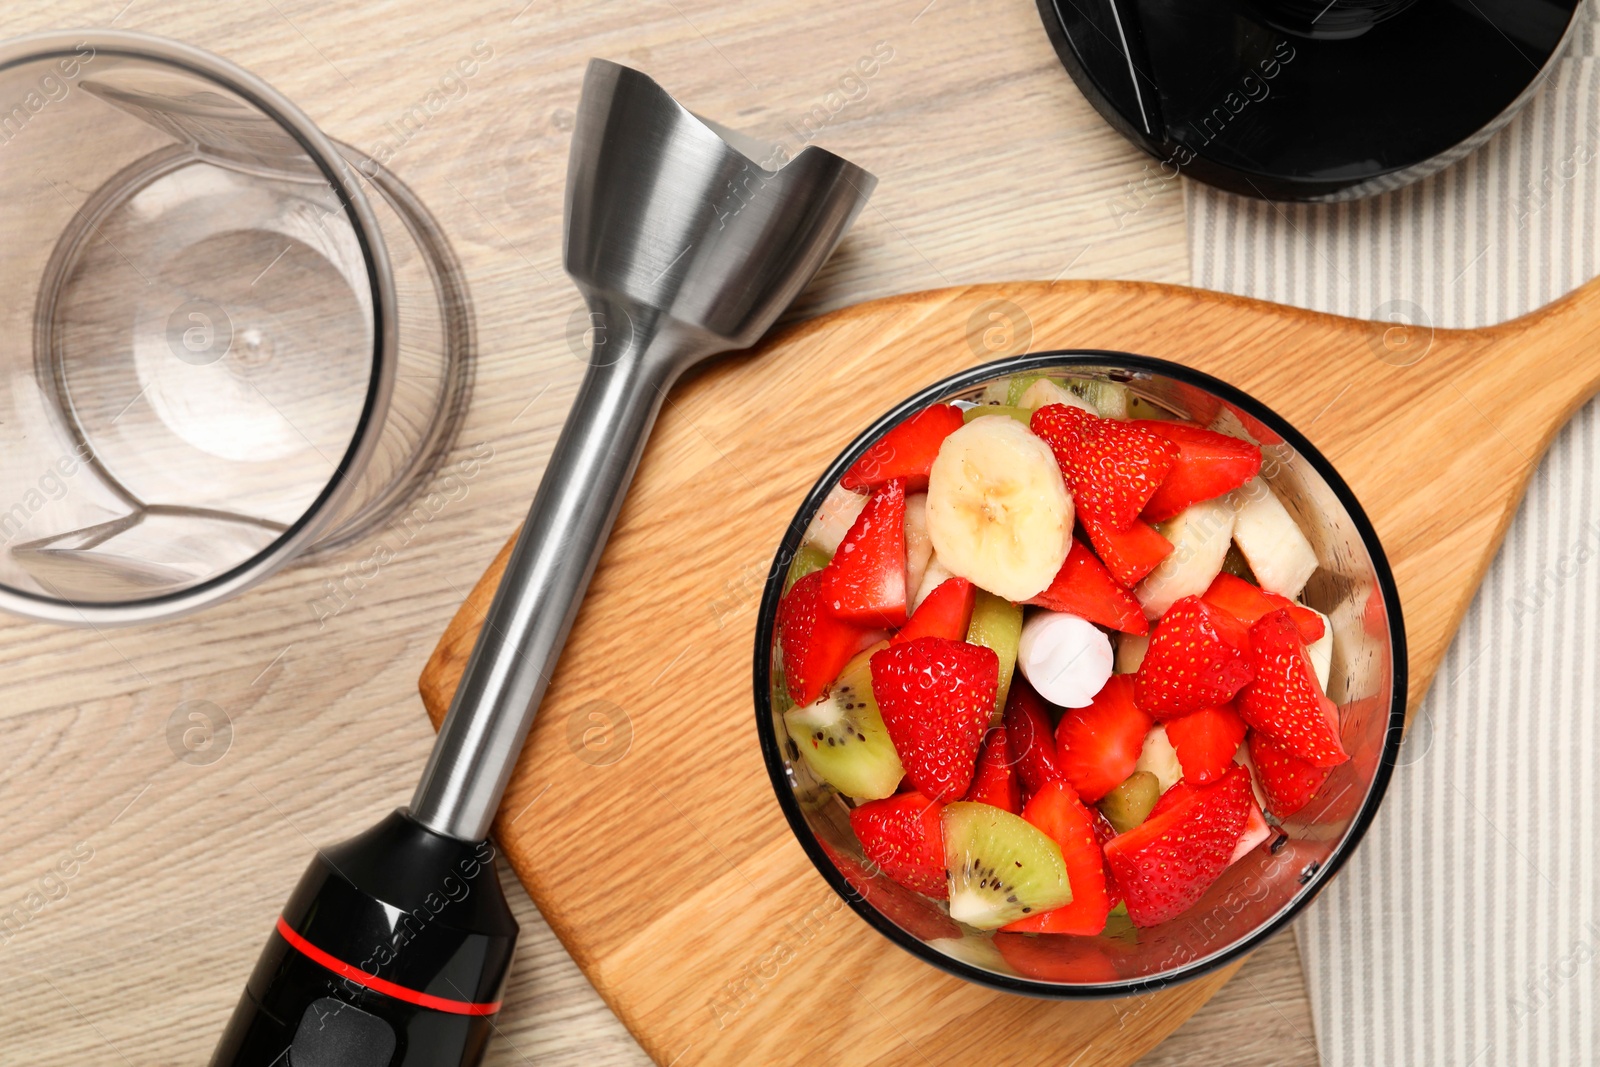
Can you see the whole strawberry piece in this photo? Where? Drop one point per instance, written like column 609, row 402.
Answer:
column 1288, row 782
column 1166, row 863
column 904, row 835
column 1112, row 467
column 1194, row 661
column 936, row 696
column 1285, row 701
column 865, row 582
column 816, row 643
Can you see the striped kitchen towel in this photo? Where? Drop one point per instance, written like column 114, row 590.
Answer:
column 1465, row 932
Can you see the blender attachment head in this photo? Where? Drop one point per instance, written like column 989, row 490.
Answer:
column 684, row 247
column 672, row 227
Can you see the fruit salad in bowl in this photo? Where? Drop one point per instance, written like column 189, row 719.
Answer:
column 1079, row 674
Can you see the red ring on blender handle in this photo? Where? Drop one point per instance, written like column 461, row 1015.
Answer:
column 380, row 985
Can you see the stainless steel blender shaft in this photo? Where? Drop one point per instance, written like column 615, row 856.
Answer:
column 683, row 247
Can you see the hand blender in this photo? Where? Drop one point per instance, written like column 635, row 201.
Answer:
column 393, row 949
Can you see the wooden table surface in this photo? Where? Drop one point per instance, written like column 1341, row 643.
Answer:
column 991, row 167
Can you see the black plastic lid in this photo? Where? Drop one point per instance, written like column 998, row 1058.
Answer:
column 1225, row 92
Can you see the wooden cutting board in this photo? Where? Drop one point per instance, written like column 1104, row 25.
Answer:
column 641, row 818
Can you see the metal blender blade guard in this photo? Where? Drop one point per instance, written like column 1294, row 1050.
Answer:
column 684, row 247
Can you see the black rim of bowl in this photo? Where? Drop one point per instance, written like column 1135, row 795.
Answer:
column 772, row 753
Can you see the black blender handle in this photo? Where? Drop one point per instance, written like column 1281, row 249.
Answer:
column 392, row 952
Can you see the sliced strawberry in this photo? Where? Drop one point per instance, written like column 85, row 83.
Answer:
column 907, row 451
column 996, row 782
column 1285, row 701
column 1128, row 554
column 904, row 835
column 1206, row 741
column 1194, row 661
column 1208, row 464
column 1113, row 467
column 945, row 612
column 1057, row 811
column 1098, row 746
column 866, row 579
column 1083, row 587
column 1247, row 603
column 1288, row 781
column 1166, row 863
column 1234, row 632
column 816, row 643
column 1028, row 733
column 936, row 697
column 1255, row 829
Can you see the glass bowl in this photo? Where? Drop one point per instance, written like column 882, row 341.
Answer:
column 1257, row 896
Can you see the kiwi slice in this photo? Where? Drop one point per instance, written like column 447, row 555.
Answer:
column 809, row 559
column 1129, row 804
column 997, row 624
column 1109, row 398
column 842, row 737
column 1022, row 415
column 1001, row 867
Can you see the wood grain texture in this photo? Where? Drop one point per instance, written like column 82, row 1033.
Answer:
column 991, row 166
column 1437, row 451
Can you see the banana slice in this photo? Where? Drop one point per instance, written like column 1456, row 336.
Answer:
column 1271, row 541
column 934, row 575
column 1042, row 392
column 1200, row 535
column 835, row 516
column 998, row 510
column 1160, row 758
column 1130, row 651
column 1321, row 652
column 919, row 549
